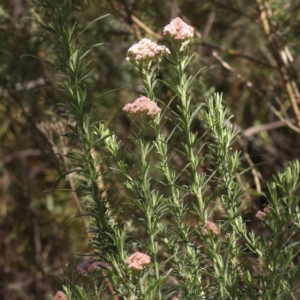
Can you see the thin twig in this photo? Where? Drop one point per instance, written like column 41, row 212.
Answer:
column 256, row 174
column 264, row 127
column 208, row 26
column 238, row 54
column 280, row 54
column 231, row 8
column 286, row 121
column 21, row 154
column 47, row 130
column 145, row 27
column 238, row 75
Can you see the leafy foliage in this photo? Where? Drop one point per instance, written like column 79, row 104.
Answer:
column 184, row 168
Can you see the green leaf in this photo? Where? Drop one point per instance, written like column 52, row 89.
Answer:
column 107, row 93
column 97, row 19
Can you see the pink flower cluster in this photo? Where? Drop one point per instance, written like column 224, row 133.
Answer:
column 88, row 266
column 137, row 261
column 263, row 214
column 210, row 228
column 179, row 30
column 60, row 296
column 142, row 105
column 146, row 50
column 260, row 215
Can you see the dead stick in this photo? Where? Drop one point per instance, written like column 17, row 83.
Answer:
column 288, row 83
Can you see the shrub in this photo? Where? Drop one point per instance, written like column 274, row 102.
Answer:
column 188, row 235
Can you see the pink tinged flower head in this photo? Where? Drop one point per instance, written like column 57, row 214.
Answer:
column 88, row 266
column 261, row 215
column 60, row 296
column 210, row 228
column 142, row 105
column 137, row 261
column 146, row 50
column 267, row 209
column 179, row 30
column 81, row 271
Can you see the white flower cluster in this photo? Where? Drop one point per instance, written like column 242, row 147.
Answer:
column 146, row 50
column 179, row 30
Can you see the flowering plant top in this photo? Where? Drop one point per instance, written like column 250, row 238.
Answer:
column 179, row 30
column 210, row 228
column 60, row 296
column 146, row 50
column 137, row 261
column 142, row 105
